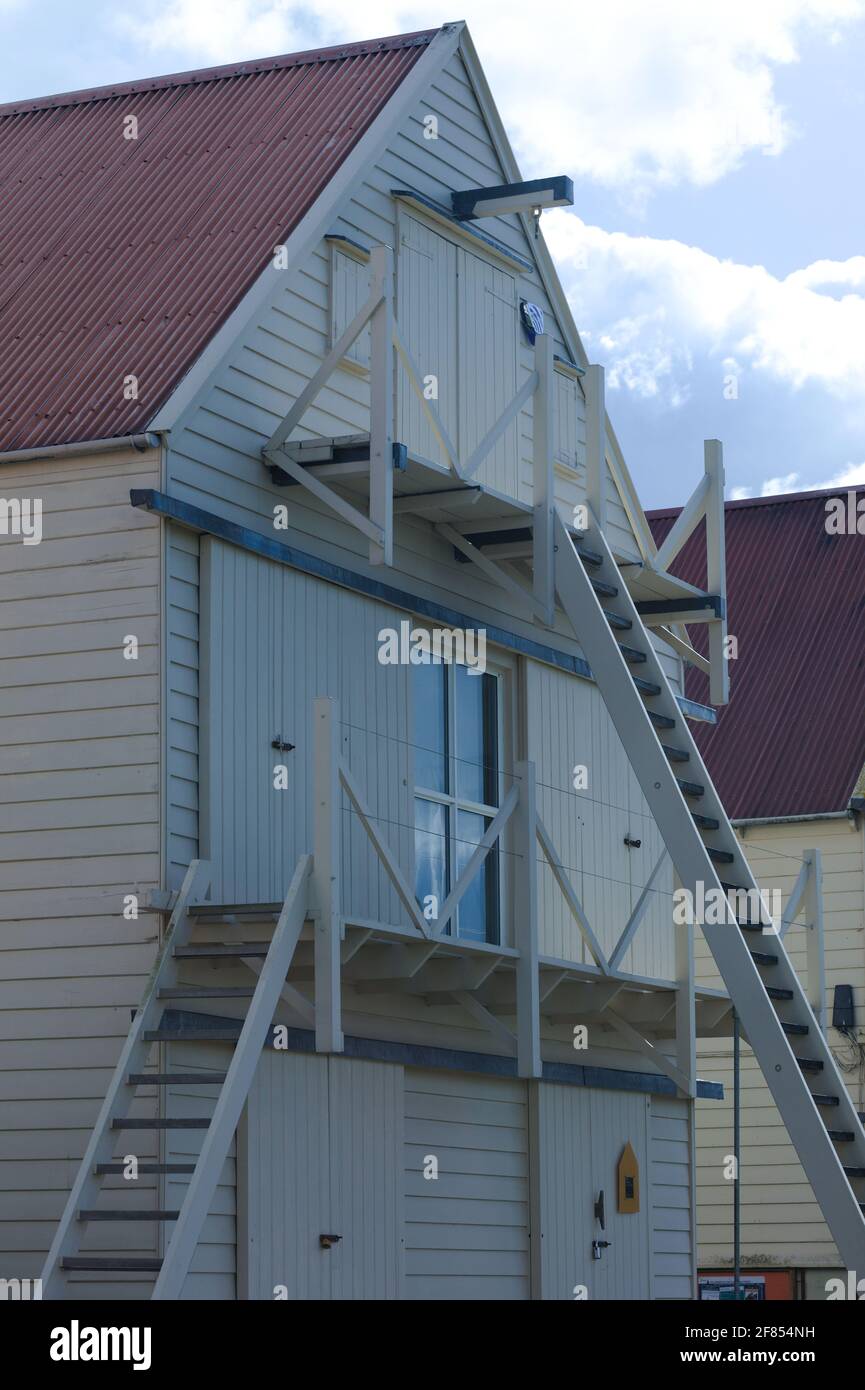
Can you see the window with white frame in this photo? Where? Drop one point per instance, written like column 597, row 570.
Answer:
column 458, row 751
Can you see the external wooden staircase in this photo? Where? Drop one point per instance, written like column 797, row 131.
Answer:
column 792, row 1051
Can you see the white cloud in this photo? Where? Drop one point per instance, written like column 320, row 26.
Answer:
column 649, row 308
column 633, row 96
column 851, row 476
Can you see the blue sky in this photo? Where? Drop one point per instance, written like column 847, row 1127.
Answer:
column 714, row 255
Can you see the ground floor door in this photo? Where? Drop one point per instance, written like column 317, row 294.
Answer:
column 320, row 1180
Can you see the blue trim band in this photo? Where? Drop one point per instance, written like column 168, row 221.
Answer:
column 185, row 514
column 449, row 1059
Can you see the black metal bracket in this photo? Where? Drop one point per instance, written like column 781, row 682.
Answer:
column 281, row 745
column 599, row 1209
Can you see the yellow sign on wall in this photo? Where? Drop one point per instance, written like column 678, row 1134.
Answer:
column 628, row 1181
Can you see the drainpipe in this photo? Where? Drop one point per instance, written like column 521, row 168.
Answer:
column 139, row 442
column 737, row 1154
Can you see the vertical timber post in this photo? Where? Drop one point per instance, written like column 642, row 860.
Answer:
column 716, row 570
column 686, row 1026
column 381, row 406
column 526, row 924
column 326, row 876
column 596, row 444
column 815, row 942
column 542, row 487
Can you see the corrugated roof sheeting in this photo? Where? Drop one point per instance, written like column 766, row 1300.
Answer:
column 124, row 256
column 791, row 741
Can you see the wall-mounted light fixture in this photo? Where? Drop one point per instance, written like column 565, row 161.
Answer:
column 531, row 197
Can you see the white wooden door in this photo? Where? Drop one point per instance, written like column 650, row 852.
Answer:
column 322, row 1156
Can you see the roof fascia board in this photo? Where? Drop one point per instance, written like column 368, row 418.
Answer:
column 312, row 228
column 546, row 266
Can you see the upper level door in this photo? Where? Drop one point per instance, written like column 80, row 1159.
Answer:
column 458, row 313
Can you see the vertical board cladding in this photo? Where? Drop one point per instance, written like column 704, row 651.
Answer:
column 781, row 1220
column 569, row 728
column 183, row 714
column 672, row 1200
column 212, row 1270
column 467, row 1229
column 79, row 831
column 278, row 639
column 321, row 1146
column 580, row 1138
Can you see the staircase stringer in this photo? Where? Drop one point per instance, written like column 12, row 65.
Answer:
column 119, row 1095
column 235, row 1088
column 629, row 711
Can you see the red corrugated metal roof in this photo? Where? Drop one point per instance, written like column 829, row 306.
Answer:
column 122, row 256
column 791, row 741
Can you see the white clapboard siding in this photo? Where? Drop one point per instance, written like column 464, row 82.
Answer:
column 466, row 1230
column 671, row 1199
column 568, row 726
column 781, row 1221
column 79, row 792
column 321, row 1153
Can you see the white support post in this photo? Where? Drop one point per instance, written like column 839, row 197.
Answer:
column 326, row 877
column 686, row 1008
column 596, row 439
column 381, row 395
column 815, row 953
column 716, row 570
column 543, row 427
column 526, row 924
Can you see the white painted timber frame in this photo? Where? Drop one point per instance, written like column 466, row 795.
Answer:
column 807, row 897
column 706, row 501
column 764, row 1026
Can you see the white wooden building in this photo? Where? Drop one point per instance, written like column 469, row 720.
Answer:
column 412, row 1017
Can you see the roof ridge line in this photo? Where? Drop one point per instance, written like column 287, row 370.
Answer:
column 775, row 499
column 193, row 76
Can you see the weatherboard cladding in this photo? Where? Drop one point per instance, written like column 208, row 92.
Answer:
column 791, row 741
column 122, row 256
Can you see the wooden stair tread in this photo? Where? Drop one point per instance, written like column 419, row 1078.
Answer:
column 217, row 950
column 112, row 1263
column 179, row 1078
column 106, row 1169
column 160, row 1123
column 134, row 1215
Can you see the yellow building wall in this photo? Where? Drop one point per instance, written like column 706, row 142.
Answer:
column 781, row 1222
